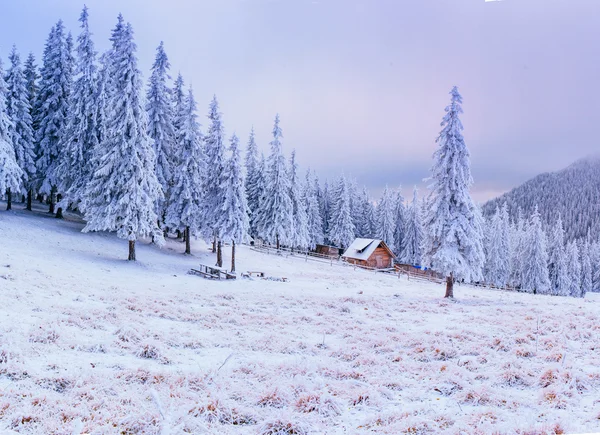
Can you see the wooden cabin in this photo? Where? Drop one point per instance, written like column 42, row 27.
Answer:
column 371, row 253
column 328, row 251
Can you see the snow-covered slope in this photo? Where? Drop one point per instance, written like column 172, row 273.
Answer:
column 90, row 343
column 573, row 192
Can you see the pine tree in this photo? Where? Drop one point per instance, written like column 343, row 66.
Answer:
column 11, row 175
column 413, row 235
column 400, row 218
column 386, row 218
column 586, row 268
column 517, row 241
column 21, row 128
column 275, row 218
column 325, row 204
column 234, row 222
column 31, row 77
column 160, row 123
column 186, row 195
column 454, row 243
column 313, row 212
column 214, row 152
column 341, row 227
column 574, row 269
column 252, row 181
column 81, row 136
column 557, row 261
column 178, row 102
column 123, row 191
column 52, row 108
column 299, row 230
column 497, row 268
column 535, row 258
column 595, row 260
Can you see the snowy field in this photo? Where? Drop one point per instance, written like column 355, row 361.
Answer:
column 90, row 343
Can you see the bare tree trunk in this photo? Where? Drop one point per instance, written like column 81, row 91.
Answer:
column 59, row 211
column 450, row 287
column 188, row 248
column 277, row 242
column 51, row 199
column 219, row 255
column 233, row 255
column 23, row 198
column 131, row 250
column 29, row 198
column 8, row 199
column 214, row 248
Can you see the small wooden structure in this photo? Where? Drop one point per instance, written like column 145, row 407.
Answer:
column 328, row 251
column 369, row 253
column 213, row 272
column 419, row 271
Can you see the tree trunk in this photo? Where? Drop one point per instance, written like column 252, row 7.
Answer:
column 51, row 199
column 29, row 198
column 178, row 234
column 131, row 250
column 277, row 241
column 40, row 198
column 59, row 211
column 219, row 255
column 233, row 255
column 23, row 198
column 8, row 199
column 214, row 248
column 450, row 287
column 188, row 248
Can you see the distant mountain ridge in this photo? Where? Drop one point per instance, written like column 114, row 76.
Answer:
column 574, row 192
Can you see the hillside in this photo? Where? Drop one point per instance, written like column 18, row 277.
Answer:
column 90, row 343
column 573, row 192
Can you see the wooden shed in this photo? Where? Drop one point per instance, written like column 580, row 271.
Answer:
column 372, row 253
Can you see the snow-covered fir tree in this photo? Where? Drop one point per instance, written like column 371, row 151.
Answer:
column 387, row 219
column 81, row 135
column 254, row 182
column 214, row 150
column 185, row 204
column 160, row 123
column 325, row 205
column 586, row 268
column 595, row 260
column 178, row 101
column 123, row 191
column 574, row 269
column 31, row 77
column 21, row 128
column 518, row 240
column 455, row 235
column 535, row 257
column 275, row 220
column 557, row 261
column 366, row 215
column 52, row 108
column 300, row 238
column 413, row 234
column 313, row 212
column 341, row 227
column 497, row 267
column 400, row 218
column 11, row 175
column 234, row 223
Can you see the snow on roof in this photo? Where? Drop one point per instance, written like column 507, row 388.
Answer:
column 361, row 249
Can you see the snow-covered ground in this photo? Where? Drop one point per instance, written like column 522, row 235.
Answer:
column 90, row 343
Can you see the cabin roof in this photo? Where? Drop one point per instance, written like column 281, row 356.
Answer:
column 362, row 249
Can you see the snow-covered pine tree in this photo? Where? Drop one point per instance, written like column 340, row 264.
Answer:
column 518, row 240
column 214, row 150
column 574, row 269
column 299, row 230
column 586, row 268
column 123, row 191
column 454, row 240
column 341, row 227
column 595, row 259
column 387, row 219
column 275, row 219
column 259, row 190
column 21, row 128
column 81, row 136
column 535, row 259
column 31, row 77
column 234, row 223
column 497, row 268
column 252, row 181
column 325, row 201
column 313, row 212
column 400, row 218
column 413, row 234
column 178, row 102
column 185, row 204
column 52, row 108
column 557, row 265
column 160, row 124
column 11, row 175
column 365, row 225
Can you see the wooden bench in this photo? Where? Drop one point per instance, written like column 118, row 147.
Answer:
column 210, row 272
